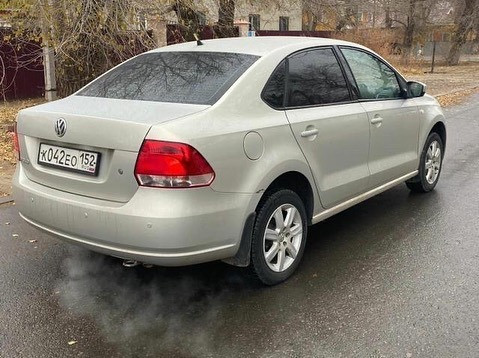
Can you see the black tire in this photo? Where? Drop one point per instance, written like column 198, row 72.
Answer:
column 419, row 183
column 267, row 207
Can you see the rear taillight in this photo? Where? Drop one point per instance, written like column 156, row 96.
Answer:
column 171, row 165
column 16, row 145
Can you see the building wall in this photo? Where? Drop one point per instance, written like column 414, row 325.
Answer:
column 269, row 11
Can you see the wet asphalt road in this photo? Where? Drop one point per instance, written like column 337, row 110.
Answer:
column 396, row 276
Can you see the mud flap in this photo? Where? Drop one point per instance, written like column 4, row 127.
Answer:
column 242, row 257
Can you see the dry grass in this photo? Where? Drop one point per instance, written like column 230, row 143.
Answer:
column 377, row 40
column 457, row 97
column 9, row 110
column 6, row 147
column 8, row 113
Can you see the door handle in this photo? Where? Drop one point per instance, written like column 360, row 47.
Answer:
column 309, row 132
column 376, row 120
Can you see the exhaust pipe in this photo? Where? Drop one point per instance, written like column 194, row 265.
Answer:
column 134, row 263
column 130, row 263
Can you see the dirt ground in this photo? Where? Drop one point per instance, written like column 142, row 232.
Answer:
column 448, row 78
column 450, row 85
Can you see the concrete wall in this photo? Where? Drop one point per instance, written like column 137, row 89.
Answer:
column 443, row 47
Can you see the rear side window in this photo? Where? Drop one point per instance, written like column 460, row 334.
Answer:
column 375, row 80
column 273, row 92
column 180, row 77
column 316, row 78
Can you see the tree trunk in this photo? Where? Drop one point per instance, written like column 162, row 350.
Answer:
column 409, row 37
column 226, row 17
column 310, row 21
column 226, row 13
column 187, row 19
column 464, row 24
column 410, row 30
column 388, row 21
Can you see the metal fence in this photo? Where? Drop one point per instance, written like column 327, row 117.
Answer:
column 295, row 33
column 21, row 68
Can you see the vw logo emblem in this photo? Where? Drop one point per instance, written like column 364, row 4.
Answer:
column 60, row 127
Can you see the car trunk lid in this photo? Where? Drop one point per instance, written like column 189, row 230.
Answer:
column 114, row 128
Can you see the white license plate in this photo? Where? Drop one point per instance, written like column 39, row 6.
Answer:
column 76, row 160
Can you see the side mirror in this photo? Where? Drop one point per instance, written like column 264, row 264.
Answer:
column 416, row 89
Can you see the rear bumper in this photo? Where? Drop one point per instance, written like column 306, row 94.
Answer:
column 168, row 227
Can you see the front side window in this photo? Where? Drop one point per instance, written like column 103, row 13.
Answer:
column 375, row 80
column 179, row 77
column 315, row 78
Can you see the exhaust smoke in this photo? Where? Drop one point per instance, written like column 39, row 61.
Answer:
column 149, row 311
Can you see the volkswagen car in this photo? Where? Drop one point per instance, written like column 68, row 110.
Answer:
column 225, row 149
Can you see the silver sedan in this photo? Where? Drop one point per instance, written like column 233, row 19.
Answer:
column 226, row 150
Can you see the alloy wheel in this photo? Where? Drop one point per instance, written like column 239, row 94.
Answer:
column 282, row 238
column 433, row 162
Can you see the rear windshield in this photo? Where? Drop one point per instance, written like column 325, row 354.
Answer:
column 180, row 77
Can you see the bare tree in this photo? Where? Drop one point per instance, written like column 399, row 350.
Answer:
column 413, row 16
column 226, row 13
column 188, row 18
column 333, row 14
column 464, row 23
column 88, row 37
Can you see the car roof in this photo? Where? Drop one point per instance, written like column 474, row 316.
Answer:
column 257, row 45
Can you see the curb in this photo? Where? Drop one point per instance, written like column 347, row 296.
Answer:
column 6, row 199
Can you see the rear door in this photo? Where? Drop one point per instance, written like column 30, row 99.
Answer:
column 394, row 119
column 331, row 127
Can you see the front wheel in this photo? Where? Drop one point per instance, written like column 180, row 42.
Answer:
column 429, row 167
column 279, row 236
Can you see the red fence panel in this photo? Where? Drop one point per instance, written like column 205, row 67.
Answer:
column 21, row 68
column 327, row 34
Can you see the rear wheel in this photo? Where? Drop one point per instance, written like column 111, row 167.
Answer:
column 279, row 236
column 429, row 166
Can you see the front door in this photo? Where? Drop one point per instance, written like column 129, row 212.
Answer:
column 394, row 120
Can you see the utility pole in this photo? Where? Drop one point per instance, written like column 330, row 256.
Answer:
column 48, row 57
column 436, row 36
column 49, row 73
